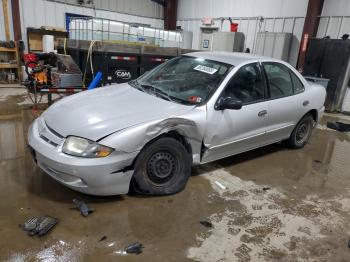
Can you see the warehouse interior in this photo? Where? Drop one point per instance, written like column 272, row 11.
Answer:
column 90, row 147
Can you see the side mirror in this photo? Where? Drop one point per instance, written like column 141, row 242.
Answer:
column 228, row 103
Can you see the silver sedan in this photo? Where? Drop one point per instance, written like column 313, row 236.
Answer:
column 191, row 110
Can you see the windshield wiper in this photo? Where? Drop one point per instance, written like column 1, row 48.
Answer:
column 137, row 85
column 158, row 92
column 155, row 90
column 170, row 98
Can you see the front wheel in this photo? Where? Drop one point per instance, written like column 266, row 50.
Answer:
column 162, row 168
column 301, row 133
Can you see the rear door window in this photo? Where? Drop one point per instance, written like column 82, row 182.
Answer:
column 279, row 80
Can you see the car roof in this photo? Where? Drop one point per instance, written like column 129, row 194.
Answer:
column 232, row 58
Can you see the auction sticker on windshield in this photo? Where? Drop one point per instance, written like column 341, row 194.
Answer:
column 205, row 69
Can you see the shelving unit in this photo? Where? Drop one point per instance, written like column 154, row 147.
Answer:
column 9, row 72
column 35, row 37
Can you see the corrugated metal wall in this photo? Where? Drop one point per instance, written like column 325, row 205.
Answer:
column 336, row 7
column 146, row 8
column 280, row 16
column 240, row 8
column 335, row 20
column 37, row 13
column 334, row 26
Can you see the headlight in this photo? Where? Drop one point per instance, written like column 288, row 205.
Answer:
column 78, row 146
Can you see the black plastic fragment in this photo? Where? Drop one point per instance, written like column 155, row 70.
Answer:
column 31, row 224
column 339, row 126
column 317, row 161
column 206, row 223
column 134, row 248
column 84, row 209
column 349, row 243
column 266, row 188
column 103, row 238
column 46, row 225
column 39, row 225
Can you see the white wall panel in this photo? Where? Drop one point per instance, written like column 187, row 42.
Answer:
column 145, row 8
column 335, row 20
column 334, row 27
column 336, row 8
column 297, row 36
column 240, row 8
column 37, row 13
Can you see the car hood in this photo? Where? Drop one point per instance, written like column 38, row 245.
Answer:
column 97, row 113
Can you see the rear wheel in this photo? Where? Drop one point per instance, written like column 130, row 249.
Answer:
column 162, row 168
column 301, row 133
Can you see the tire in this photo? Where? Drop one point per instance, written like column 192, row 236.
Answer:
column 301, row 133
column 162, row 168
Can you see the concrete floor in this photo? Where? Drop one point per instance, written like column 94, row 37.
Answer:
column 303, row 216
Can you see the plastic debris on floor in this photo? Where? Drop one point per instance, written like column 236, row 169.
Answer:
column 339, row 126
column 84, row 209
column 134, row 248
column 39, row 225
column 206, row 223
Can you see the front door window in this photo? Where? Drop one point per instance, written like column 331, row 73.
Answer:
column 246, row 85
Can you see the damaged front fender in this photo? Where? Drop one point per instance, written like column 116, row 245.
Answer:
column 133, row 139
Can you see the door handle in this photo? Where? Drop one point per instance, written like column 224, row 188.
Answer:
column 306, row 102
column 262, row 113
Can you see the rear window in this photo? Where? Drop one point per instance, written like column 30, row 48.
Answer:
column 298, row 85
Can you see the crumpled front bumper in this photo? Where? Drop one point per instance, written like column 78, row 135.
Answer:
column 95, row 176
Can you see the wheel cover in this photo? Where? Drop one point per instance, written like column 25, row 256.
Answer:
column 302, row 133
column 162, row 166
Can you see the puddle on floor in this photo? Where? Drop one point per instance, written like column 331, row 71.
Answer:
column 294, row 204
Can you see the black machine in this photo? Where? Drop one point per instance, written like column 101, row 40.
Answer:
column 118, row 62
column 330, row 58
column 51, row 73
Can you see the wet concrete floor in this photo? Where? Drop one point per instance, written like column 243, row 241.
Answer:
column 277, row 205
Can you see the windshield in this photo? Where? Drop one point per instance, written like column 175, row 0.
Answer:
column 186, row 80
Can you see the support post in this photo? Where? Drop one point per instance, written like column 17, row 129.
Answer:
column 312, row 19
column 16, row 20
column 170, row 14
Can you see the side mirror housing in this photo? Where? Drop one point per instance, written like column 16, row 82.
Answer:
column 228, row 103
